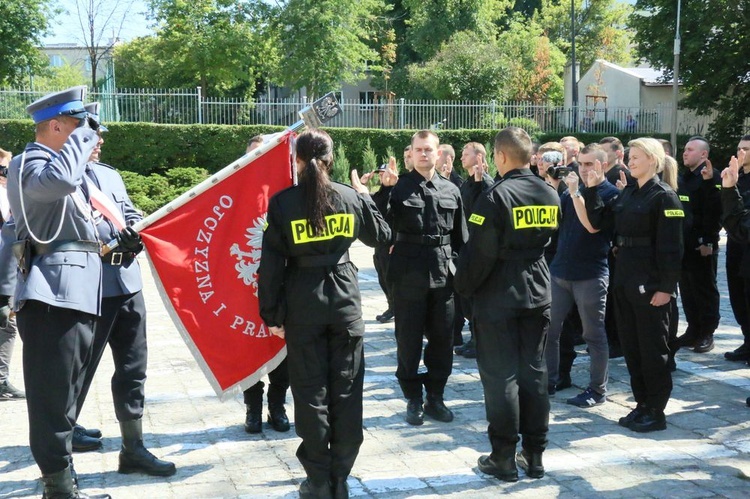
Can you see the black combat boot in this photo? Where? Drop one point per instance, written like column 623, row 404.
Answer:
column 91, row 432
column 649, row 420
column 340, row 488
column 314, row 490
column 82, row 442
column 500, row 464
column 414, row 412
column 254, row 414
column 436, row 409
column 134, row 457
column 277, row 417
column 60, row 486
column 530, row 463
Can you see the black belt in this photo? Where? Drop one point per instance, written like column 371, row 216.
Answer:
column 424, row 240
column 320, row 260
column 118, row 258
column 55, row 246
column 633, row 242
column 520, row 254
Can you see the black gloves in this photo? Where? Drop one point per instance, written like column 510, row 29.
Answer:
column 129, row 240
column 4, row 311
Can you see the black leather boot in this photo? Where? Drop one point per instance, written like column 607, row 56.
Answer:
column 254, row 418
column 134, row 457
column 530, row 463
column 277, row 417
column 414, row 412
column 436, row 409
column 340, row 488
column 60, row 486
column 83, row 442
column 500, row 464
column 649, row 420
column 91, row 432
column 315, row 490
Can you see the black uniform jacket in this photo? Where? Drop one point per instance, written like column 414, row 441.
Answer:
column 299, row 280
column 471, row 190
column 648, row 233
column 736, row 214
column 701, row 201
column 429, row 229
column 503, row 265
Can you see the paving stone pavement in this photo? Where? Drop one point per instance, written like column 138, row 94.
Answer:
column 705, row 451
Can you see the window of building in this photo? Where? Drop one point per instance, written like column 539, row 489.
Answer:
column 55, row 61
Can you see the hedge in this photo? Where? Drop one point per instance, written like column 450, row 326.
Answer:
column 147, row 148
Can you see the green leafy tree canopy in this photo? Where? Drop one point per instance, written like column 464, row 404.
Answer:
column 23, row 24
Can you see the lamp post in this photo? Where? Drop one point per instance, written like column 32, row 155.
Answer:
column 574, row 86
column 675, row 82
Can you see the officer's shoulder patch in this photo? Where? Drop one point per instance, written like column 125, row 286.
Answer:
column 684, row 198
column 476, row 219
column 674, row 213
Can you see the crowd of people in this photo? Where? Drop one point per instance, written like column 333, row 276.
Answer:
column 568, row 242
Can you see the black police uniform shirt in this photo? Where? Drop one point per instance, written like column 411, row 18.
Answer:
column 503, row 265
column 648, row 229
column 430, row 210
column 701, row 202
column 290, row 293
column 471, row 190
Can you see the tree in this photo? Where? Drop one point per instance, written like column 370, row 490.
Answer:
column 601, row 29
column 432, row 23
column 101, row 22
column 326, row 42
column 714, row 66
column 23, row 24
column 64, row 76
column 222, row 45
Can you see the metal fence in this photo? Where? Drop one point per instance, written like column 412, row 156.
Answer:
column 189, row 107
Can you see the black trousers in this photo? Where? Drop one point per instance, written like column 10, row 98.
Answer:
column 610, row 322
column 424, row 313
column 738, row 287
column 56, row 351
column 380, row 259
column 123, row 327
column 326, row 371
column 510, row 355
column 278, row 383
column 644, row 335
column 700, row 296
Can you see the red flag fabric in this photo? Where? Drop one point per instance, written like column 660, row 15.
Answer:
column 205, row 256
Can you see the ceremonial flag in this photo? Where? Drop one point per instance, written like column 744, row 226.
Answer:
column 205, row 255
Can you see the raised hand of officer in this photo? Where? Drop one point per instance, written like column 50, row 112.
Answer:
column 479, row 168
column 595, row 176
column 707, row 172
column 622, row 182
column 129, row 240
column 358, row 184
column 88, row 122
column 390, row 175
column 731, row 173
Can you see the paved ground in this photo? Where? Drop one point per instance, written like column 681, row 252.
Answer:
column 705, row 452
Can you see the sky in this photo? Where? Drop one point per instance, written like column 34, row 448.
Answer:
column 66, row 27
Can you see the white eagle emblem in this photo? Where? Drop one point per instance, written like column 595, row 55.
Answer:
column 249, row 261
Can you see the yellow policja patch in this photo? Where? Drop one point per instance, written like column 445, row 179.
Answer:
column 338, row 225
column 684, row 198
column 674, row 213
column 476, row 219
column 529, row 217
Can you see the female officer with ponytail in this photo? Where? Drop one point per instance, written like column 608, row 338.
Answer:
column 309, row 294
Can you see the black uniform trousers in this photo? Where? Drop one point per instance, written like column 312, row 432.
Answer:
column 700, row 296
column 326, row 371
column 429, row 313
column 380, row 259
column 123, row 326
column 278, row 383
column 738, row 287
column 644, row 335
column 510, row 356
column 56, row 351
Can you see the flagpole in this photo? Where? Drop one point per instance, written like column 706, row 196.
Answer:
column 312, row 116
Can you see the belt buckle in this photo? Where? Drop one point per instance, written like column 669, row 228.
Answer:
column 116, row 258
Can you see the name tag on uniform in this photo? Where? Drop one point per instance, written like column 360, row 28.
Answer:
column 674, row 213
column 338, row 225
column 476, row 219
column 684, row 199
column 530, row 217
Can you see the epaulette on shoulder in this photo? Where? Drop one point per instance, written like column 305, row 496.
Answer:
column 105, row 165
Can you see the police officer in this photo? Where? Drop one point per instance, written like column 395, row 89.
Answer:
column 278, row 378
column 123, row 321
column 308, row 293
column 701, row 200
column 647, row 218
column 426, row 213
column 503, row 270
column 58, row 291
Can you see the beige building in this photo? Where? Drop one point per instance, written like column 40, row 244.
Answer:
column 77, row 56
